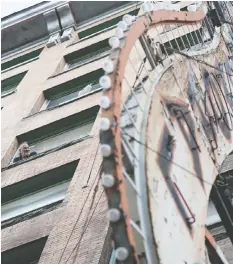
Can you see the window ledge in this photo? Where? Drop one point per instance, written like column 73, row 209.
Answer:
column 80, row 65
column 11, row 92
column 29, row 215
column 47, row 152
column 65, row 103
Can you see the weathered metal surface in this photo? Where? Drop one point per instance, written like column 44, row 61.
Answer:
column 183, row 125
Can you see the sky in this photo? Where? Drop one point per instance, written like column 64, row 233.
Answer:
column 11, row 6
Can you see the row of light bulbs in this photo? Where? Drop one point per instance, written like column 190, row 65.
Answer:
column 105, row 81
column 108, row 181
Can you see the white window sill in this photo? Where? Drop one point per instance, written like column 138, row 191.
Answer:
column 6, row 94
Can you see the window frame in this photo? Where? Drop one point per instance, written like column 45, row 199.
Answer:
column 20, row 64
column 30, row 195
column 63, row 132
column 17, row 78
column 32, row 143
column 23, row 62
column 54, row 129
column 88, row 58
column 46, row 192
column 9, row 92
column 92, row 35
column 47, row 101
column 31, row 146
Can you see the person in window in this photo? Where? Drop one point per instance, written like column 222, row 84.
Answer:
column 24, row 152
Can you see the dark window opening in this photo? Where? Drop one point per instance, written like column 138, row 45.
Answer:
column 71, row 90
column 28, row 253
column 59, row 134
column 22, row 59
column 9, row 85
column 87, row 54
column 35, row 196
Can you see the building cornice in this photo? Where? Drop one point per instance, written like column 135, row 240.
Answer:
column 29, row 13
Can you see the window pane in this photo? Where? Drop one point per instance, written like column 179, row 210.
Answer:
column 11, row 83
column 22, row 59
column 9, row 90
column 62, row 99
column 89, row 57
column 62, row 138
column 86, row 90
column 34, row 201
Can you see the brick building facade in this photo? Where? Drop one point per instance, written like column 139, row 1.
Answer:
column 53, row 206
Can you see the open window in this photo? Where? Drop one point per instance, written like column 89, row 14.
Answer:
column 72, row 90
column 58, row 134
column 28, row 253
column 86, row 55
column 8, row 86
column 37, row 195
column 21, row 60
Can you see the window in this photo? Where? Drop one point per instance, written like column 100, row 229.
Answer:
column 71, row 90
column 87, row 54
column 28, row 253
column 37, row 195
column 60, row 133
column 34, row 55
column 104, row 25
column 9, row 85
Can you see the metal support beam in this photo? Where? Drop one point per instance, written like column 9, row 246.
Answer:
column 148, row 51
